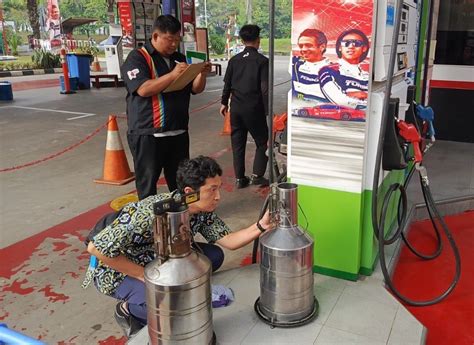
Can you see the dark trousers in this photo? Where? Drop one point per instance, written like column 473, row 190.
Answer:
column 151, row 155
column 132, row 290
column 241, row 124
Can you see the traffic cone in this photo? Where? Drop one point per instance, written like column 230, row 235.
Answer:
column 226, row 129
column 96, row 65
column 116, row 170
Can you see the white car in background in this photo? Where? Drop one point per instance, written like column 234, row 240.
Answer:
column 236, row 49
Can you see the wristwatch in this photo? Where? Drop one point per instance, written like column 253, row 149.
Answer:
column 260, row 227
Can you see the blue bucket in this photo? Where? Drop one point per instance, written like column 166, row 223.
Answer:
column 6, row 93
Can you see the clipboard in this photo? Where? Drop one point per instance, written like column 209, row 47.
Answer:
column 186, row 77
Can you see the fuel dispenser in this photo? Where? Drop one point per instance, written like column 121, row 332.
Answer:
column 136, row 19
column 348, row 148
column 410, row 134
column 113, row 51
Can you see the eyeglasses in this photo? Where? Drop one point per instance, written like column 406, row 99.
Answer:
column 356, row 43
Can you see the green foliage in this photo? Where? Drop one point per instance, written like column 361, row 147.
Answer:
column 14, row 40
column 281, row 45
column 45, row 59
column 15, row 10
column 90, row 50
column 217, row 44
column 86, row 9
column 282, row 17
column 219, row 10
column 16, row 65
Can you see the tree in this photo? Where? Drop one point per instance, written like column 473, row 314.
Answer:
column 32, row 8
column 248, row 11
column 15, row 10
column 110, row 11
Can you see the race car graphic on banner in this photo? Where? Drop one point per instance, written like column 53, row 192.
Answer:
column 331, row 45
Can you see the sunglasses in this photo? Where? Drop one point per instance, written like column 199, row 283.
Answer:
column 356, row 43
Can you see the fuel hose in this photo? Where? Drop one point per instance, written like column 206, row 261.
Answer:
column 379, row 223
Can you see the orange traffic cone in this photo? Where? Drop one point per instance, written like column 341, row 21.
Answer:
column 226, row 128
column 116, row 170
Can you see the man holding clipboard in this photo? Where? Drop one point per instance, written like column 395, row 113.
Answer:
column 159, row 85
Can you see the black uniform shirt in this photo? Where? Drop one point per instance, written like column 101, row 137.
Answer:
column 246, row 79
column 172, row 108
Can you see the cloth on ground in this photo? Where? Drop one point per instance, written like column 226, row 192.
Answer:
column 221, row 296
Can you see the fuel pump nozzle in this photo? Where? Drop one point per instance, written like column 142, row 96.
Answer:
column 427, row 115
column 410, row 134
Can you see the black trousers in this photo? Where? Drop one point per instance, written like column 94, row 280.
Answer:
column 241, row 124
column 151, row 155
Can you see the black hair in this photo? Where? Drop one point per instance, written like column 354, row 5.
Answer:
column 167, row 24
column 249, row 33
column 357, row 32
column 194, row 172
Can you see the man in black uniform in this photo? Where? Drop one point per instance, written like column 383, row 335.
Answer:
column 246, row 83
column 157, row 121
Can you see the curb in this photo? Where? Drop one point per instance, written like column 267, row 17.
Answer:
column 4, row 74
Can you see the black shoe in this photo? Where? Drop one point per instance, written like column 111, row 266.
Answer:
column 242, row 182
column 127, row 322
column 259, row 181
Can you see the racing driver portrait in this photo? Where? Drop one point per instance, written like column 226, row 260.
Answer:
column 345, row 83
column 305, row 74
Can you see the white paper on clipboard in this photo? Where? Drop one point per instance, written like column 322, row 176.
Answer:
column 185, row 77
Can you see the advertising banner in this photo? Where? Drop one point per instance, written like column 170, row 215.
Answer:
column 53, row 24
column 125, row 15
column 331, row 46
column 188, row 20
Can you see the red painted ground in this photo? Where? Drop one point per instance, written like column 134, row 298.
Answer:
column 452, row 320
column 16, row 254
column 34, row 84
column 42, row 276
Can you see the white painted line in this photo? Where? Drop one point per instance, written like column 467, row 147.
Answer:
column 80, row 117
column 50, row 110
column 213, row 90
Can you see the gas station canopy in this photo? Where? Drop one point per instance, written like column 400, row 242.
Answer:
column 71, row 23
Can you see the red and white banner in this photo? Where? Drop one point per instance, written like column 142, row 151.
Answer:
column 125, row 15
column 188, row 20
column 53, row 23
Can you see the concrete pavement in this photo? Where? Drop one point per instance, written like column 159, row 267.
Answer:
column 47, row 208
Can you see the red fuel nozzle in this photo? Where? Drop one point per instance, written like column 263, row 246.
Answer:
column 410, row 134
